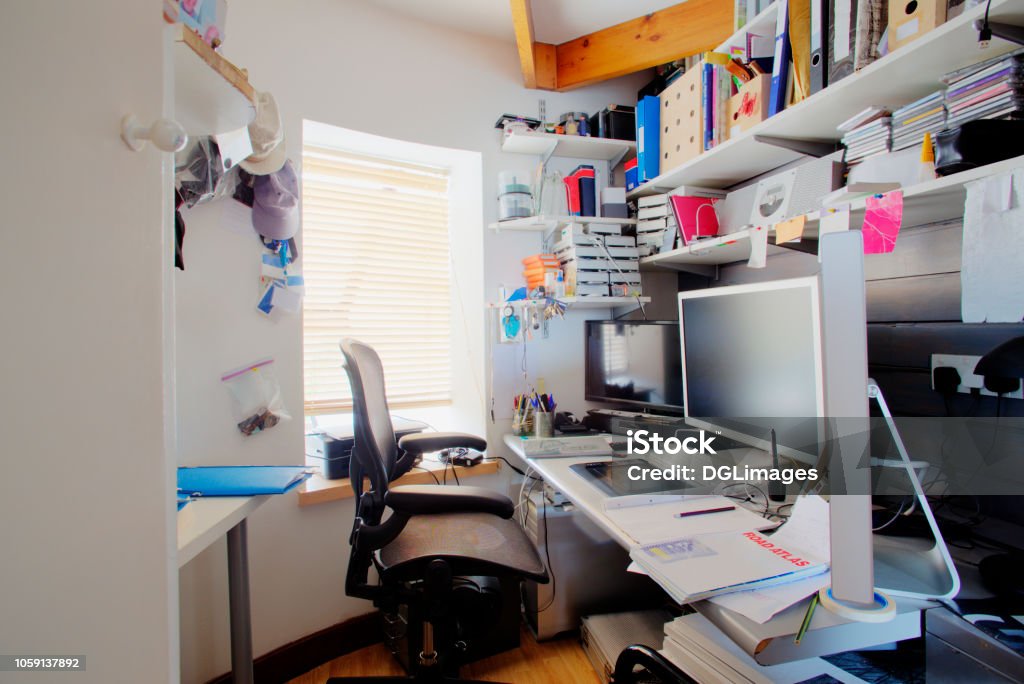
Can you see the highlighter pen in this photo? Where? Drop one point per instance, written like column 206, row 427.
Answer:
column 722, row 509
column 807, row 620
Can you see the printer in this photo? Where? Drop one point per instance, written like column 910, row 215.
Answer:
column 329, row 447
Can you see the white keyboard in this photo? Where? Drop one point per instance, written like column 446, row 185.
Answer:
column 562, row 447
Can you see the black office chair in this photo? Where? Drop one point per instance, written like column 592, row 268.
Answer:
column 653, row 667
column 448, row 557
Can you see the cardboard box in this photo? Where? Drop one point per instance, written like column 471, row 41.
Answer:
column 682, row 135
column 749, row 107
column 911, row 19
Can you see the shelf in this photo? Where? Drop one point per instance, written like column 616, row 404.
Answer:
column 211, row 95
column 540, row 224
column 585, row 302
column 908, row 73
column 936, row 200
column 710, row 252
column 571, row 146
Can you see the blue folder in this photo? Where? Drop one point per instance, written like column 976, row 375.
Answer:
column 239, row 480
column 780, row 68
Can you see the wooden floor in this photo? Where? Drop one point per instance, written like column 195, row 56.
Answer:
column 553, row 662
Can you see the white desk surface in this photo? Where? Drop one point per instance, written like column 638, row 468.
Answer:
column 557, row 472
column 204, row 520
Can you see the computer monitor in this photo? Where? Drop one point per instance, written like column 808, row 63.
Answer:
column 752, row 362
column 634, row 363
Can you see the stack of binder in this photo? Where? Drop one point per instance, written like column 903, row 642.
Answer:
column 992, row 89
column 910, row 123
column 874, row 137
column 599, row 263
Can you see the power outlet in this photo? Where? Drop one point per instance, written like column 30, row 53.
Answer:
column 968, row 380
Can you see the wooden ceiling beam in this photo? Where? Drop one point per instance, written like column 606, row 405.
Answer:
column 538, row 60
column 672, row 33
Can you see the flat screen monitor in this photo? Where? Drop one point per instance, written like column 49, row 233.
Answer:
column 634, row 363
column 752, row 362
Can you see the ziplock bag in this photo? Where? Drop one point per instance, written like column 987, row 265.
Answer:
column 256, row 397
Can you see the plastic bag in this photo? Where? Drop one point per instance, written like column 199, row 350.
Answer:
column 256, row 397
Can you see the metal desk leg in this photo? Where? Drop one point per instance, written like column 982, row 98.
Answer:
column 238, row 601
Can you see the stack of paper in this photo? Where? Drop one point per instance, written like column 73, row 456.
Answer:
column 701, row 650
column 699, row 566
column 653, row 518
column 598, row 263
column 910, row 123
column 990, row 90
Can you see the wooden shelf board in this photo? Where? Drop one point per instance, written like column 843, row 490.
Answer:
column 317, row 490
column 540, row 224
column 571, row 146
column 211, row 95
column 906, row 74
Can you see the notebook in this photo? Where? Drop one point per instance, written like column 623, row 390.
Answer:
column 239, row 480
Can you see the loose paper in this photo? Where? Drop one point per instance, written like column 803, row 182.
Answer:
column 758, row 247
column 882, row 222
column 834, row 220
column 991, row 288
column 657, row 522
column 760, row 605
column 793, row 229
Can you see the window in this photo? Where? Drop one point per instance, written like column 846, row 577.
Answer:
column 377, row 268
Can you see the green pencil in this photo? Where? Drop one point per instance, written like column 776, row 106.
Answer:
column 807, row 619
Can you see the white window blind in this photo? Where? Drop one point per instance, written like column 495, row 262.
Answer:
column 376, row 264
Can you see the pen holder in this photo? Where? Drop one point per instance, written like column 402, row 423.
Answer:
column 542, row 426
column 522, row 425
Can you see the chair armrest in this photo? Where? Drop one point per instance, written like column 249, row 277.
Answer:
column 425, row 499
column 425, row 442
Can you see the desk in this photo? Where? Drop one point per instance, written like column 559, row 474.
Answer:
column 202, row 522
column 748, row 635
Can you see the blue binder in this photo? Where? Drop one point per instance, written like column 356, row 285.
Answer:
column 780, row 68
column 648, row 137
column 239, row 480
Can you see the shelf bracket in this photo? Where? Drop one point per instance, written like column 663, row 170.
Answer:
column 548, row 153
column 614, row 161
column 812, row 148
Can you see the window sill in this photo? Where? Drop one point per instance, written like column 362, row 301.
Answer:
column 317, row 490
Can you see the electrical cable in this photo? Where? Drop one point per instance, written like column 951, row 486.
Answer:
column 429, row 472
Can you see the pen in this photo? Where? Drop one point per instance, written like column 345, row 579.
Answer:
column 807, row 619
column 722, row 509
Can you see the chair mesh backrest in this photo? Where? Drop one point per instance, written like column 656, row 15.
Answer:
column 376, row 448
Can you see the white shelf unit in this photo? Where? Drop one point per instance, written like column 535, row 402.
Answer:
column 584, row 302
column 906, row 74
column 936, row 200
column 703, row 256
column 546, row 145
column 543, row 224
column 211, row 95
column 941, row 199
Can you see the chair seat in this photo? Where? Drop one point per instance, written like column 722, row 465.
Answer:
column 472, row 544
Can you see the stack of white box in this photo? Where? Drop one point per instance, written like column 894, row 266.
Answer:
column 599, row 262
column 656, row 228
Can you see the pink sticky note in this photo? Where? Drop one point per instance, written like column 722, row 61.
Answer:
column 882, row 221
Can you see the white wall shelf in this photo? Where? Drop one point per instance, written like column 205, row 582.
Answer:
column 570, row 146
column 906, row 74
column 941, row 199
column 703, row 256
column 585, row 302
column 541, row 224
column 211, row 95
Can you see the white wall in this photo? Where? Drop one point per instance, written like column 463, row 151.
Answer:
column 349, row 64
column 85, row 491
